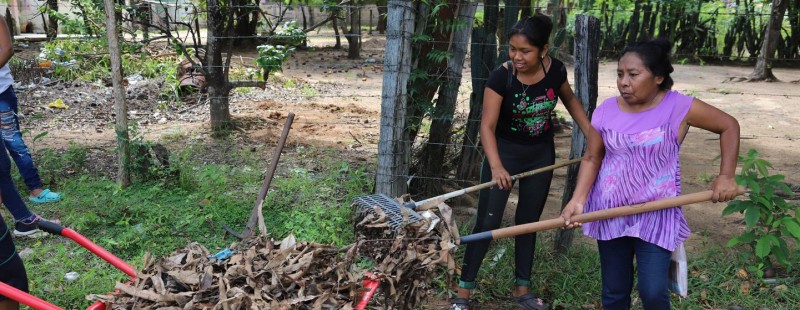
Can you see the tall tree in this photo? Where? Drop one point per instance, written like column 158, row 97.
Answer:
column 121, row 126
column 433, row 155
column 52, row 25
column 221, row 21
column 483, row 60
column 772, row 35
column 353, row 35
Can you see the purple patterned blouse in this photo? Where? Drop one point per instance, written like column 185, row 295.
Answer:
column 642, row 163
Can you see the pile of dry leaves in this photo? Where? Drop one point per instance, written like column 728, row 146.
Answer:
column 268, row 274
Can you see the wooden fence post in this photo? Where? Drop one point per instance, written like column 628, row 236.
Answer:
column 587, row 61
column 394, row 153
column 121, row 127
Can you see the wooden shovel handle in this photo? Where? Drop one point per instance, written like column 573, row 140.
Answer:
column 592, row 216
column 435, row 201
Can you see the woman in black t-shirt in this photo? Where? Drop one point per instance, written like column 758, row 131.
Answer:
column 517, row 136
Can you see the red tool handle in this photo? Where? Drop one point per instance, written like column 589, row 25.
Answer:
column 55, row 229
column 112, row 259
column 24, row 298
column 370, row 285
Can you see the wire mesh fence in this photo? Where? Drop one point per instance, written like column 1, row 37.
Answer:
column 337, row 100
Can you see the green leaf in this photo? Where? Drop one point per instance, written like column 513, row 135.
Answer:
column 763, row 201
column 747, row 237
column 780, row 255
column 732, row 243
column 754, row 186
column 751, row 216
column 763, row 247
column 735, row 206
column 792, row 227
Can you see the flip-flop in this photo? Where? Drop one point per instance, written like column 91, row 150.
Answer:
column 45, row 196
column 459, row 304
column 528, row 301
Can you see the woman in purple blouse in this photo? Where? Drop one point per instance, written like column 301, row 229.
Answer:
column 642, row 131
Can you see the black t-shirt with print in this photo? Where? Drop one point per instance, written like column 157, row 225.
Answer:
column 526, row 117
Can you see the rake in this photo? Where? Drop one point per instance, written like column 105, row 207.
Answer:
column 394, row 209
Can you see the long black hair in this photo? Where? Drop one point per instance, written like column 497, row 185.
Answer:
column 655, row 56
column 535, row 28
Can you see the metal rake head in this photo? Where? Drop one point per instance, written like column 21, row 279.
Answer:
column 391, row 207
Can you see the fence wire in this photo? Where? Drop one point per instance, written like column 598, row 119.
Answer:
column 359, row 138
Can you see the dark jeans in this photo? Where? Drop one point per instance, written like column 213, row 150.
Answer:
column 12, row 271
column 533, row 190
column 12, row 139
column 616, row 268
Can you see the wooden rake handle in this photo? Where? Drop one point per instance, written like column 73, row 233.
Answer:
column 558, row 222
column 430, row 202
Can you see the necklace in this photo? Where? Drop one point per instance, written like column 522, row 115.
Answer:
column 524, row 89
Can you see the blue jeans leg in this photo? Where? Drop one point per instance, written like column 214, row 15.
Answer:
column 652, row 262
column 12, row 139
column 11, row 198
column 616, row 267
column 616, row 272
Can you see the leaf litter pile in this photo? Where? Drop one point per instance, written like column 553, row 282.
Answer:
column 263, row 273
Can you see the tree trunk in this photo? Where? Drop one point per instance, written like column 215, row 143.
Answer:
column 587, row 61
column 121, row 108
column 394, row 152
column 218, row 88
column 303, row 12
column 245, row 14
column 644, row 33
column 525, row 9
column 794, row 25
column 484, row 45
column 510, row 18
column 52, row 25
column 434, row 153
column 335, row 23
column 633, row 26
column 772, row 34
column 381, row 4
column 353, row 35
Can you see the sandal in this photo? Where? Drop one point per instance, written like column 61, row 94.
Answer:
column 459, row 304
column 528, row 301
column 45, row 196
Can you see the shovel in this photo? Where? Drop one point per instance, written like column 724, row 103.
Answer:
column 394, row 210
column 558, row 222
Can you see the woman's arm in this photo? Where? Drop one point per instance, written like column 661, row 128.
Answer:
column 705, row 116
column 6, row 48
column 491, row 112
column 592, row 159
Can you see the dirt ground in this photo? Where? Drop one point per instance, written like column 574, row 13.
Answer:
column 337, row 102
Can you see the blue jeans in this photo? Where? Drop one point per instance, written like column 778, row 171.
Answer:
column 616, row 268
column 12, row 139
column 11, row 197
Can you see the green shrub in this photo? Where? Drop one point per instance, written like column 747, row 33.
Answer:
column 769, row 218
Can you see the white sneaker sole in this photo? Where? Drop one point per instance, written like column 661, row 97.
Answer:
column 33, row 234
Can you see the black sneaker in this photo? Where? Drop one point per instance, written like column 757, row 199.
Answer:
column 29, row 228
